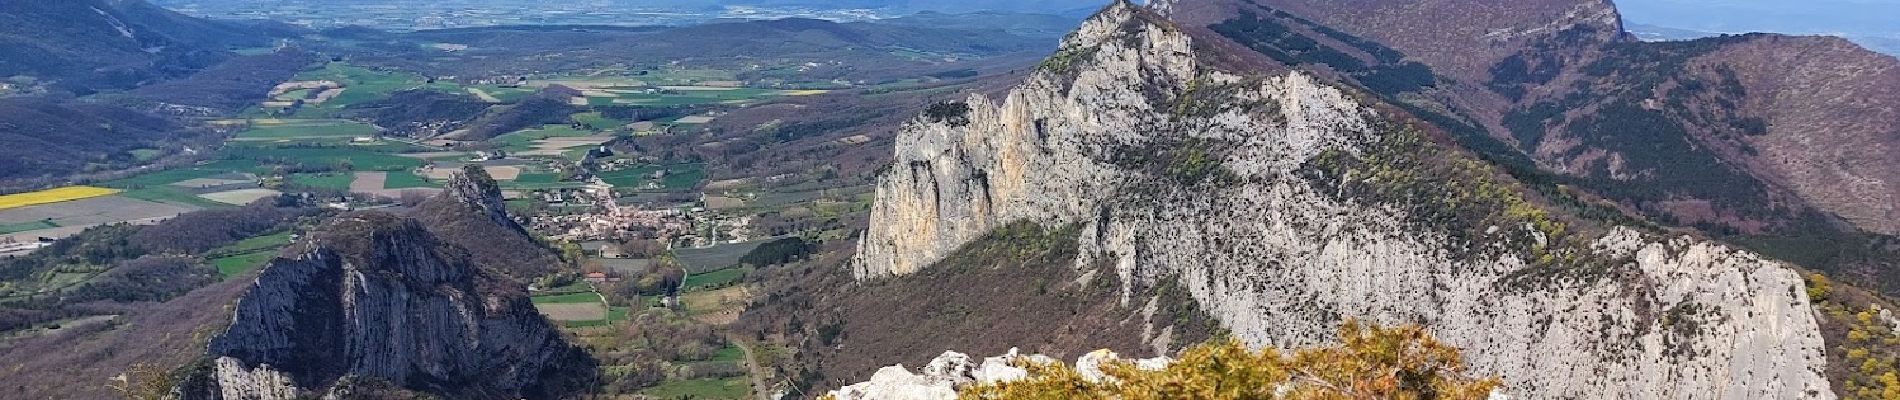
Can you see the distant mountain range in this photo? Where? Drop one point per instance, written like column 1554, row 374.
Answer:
column 1868, row 23
column 1522, row 177
column 86, row 45
column 1069, row 7
column 96, row 79
column 1647, row 32
column 1075, row 7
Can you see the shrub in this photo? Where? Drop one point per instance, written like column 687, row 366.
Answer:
column 1371, row 363
column 951, row 113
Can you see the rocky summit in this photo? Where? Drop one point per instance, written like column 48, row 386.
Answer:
column 1287, row 203
column 374, row 305
column 860, row 199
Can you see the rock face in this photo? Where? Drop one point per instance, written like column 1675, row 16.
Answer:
column 1688, row 124
column 470, row 213
column 952, row 371
column 375, row 302
column 473, row 189
column 1229, row 183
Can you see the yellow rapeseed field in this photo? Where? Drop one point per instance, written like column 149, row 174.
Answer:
column 68, row 193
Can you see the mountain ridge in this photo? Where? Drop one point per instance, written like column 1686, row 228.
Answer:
column 1512, row 64
column 88, row 45
column 1285, row 204
column 376, row 305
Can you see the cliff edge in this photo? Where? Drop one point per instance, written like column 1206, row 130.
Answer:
column 1287, row 204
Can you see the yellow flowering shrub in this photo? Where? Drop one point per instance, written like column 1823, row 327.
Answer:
column 1370, row 363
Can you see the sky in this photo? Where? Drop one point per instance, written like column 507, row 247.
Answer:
column 1856, row 17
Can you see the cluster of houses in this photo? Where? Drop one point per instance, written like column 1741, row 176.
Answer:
column 609, row 221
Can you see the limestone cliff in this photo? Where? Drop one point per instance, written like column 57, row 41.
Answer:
column 475, row 191
column 1287, row 204
column 1740, row 132
column 952, row 371
column 375, row 305
column 470, row 213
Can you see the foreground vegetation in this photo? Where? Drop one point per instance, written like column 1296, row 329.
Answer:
column 1370, row 363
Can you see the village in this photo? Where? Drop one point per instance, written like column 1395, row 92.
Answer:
column 646, row 239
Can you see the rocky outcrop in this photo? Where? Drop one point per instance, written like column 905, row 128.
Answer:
column 470, row 213
column 474, row 190
column 1234, row 185
column 944, row 375
column 1460, row 38
column 375, row 297
column 1742, row 132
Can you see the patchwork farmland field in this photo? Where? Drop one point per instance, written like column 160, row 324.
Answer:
column 407, row 180
column 49, row 196
column 305, row 129
column 570, row 298
column 234, row 265
column 345, row 158
column 241, row 196
column 573, row 311
column 17, row 227
column 725, row 388
column 330, row 180
column 182, row 174
column 682, row 176
column 361, row 85
column 71, row 217
column 582, row 309
column 724, row 256
column 247, row 255
column 712, row 279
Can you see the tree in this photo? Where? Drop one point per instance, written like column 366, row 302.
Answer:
column 144, row 382
column 1370, row 363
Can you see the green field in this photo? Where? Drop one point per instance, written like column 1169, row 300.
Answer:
column 683, row 97
column 267, row 242
column 339, row 181
column 388, row 147
column 530, row 178
column 685, row 76
column 506, row 95
column 248, row 254
column 344, row 158
column 241, row 263
column 361, row 85
column 144, row 155
column 682, row 176
column 176, row 175
column 728, row 388
column 173, row 195
column 723, row 256
column 298, row 129
column 713, row 279
column 539, row 181
column 294, row 95
column 26, row 226
column 407, row 180
column 524, row 139
column 730, row 353
column 614, row 314
column 598, row 122
column 579, row 297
